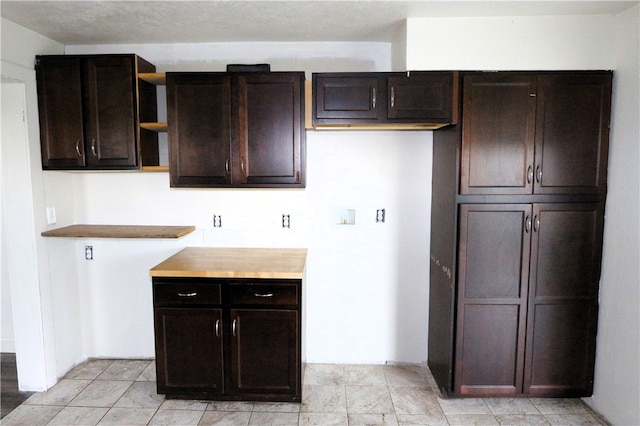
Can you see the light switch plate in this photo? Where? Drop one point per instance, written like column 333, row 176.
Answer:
column 51, row 215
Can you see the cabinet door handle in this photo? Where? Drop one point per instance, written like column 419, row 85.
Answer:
column 536, row 224
column 527, row 224
column 192, row 294
column 242, row 164
column 530, row 174
column 539, row 173
column 226, row 166
column 263, row 294
column 78, row 148
column 93, row 147
column 393, row 96
column 373, row 98
column 233, row 328
column 217, row 328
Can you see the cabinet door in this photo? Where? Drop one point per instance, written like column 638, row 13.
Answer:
column 572, row 133
column 189, row 356
column 492, row 298
column 199, row 119
column 563, row 301
column 346, row 97
column 498, row 134
column 59, row 83
column 111, row 112
column 265, row 352
column 420, row 97
column 271, row 130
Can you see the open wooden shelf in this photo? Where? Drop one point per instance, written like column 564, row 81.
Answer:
column 155, row 168
column 119, row 231
column 155, row 127
column 157, row 78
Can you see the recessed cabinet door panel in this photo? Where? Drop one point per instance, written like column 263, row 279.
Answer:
column 566, row 250
column 347, row 97
column 492, row 298
column 561, row 348
column 490, row 349
column 270, row 124
column 498, row 134
column 494, row 250
column 111, row 131
column 199, row 119
column 189, row 350
column 572, row 134
column 264, row 351
column 60, row 109
column 420, row 96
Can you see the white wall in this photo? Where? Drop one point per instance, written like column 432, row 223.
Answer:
column 365, row 283
column 308, row 56
column 13, row 127
column 617, row 376
column 511, row 43
column 27, row 256
column 574, row 42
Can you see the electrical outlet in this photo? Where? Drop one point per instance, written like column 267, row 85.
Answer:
column 88, row 252
column 217, row 221
column 51, row 215
column 380, row 215
column 286, row 221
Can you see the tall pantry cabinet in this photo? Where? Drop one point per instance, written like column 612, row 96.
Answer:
column 516, row 234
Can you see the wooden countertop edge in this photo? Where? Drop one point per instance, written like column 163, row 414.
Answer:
column 210, row 262
column 226, row 274
column 119, row 231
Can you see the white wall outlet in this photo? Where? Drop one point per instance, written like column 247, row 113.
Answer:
column 286, row 221
column 51, row 215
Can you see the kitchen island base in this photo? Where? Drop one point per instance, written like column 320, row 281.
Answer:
column 227, row 338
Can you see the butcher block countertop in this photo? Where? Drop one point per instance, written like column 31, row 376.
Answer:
column 208, row 262
column 119, row 231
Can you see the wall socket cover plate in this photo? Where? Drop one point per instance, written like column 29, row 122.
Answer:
column 51, row 215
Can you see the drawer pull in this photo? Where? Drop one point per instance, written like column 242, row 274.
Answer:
column 263, row 294
column 193, row 294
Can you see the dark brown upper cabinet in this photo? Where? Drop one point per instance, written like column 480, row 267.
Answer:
column 384, row 100
column 199, row 119
column 525, row 133
column 236, row 130
column 90, row 107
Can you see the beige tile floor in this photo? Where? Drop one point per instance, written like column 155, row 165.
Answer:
column 122, row 392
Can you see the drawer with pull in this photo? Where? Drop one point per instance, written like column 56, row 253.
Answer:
column 264, row 294
column 186, row 293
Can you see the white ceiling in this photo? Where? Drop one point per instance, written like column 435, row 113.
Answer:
column 136, row 22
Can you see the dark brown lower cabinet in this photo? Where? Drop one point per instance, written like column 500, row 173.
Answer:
column 228, row 339
column 190, row 341
column 527, row 298
column 264, row 351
